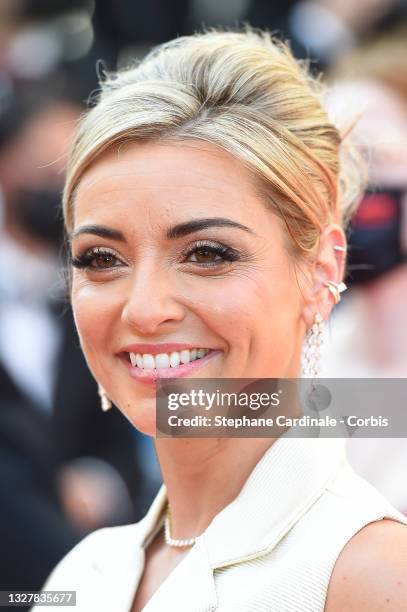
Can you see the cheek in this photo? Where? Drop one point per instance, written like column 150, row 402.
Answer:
column 94, row 311
column 254, row 313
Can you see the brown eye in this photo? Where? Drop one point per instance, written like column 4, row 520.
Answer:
column 96, row 260
column 210, row 255
column 203, row 255
column 104, row 261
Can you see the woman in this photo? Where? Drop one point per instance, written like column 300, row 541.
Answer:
column 204, row 204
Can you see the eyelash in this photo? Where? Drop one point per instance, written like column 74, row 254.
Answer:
column 226, row 253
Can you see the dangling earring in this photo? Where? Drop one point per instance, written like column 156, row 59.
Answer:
column 312, row 349
column 106, row 404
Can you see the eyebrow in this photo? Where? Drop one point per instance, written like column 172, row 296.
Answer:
column 183, row 229
column 177, row 231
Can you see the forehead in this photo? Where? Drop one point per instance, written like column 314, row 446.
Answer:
column 165, row 178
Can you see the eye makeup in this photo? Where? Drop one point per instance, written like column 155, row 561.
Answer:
column 203, row 254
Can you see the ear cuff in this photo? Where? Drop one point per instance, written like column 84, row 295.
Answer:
column 336, row 289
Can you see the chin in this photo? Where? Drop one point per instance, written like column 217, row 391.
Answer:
column 142, row 415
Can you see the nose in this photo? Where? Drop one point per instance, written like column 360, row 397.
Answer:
column 151, row 303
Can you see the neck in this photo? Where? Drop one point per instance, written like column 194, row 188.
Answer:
column 202, row 476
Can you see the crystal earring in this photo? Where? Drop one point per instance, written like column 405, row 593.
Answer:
column 312, row 350
column 106, row 404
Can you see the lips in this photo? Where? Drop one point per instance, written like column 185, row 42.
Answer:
column 155, row 349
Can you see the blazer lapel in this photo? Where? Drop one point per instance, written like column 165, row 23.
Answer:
column 119, row 565
column 189, row 588
column 118, row 569
column 191, row 584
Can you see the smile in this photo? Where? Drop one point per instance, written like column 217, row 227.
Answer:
column 162, row 361
column 147, row 368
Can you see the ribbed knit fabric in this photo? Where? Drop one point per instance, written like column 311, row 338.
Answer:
column 295, row 575
column 272, row 549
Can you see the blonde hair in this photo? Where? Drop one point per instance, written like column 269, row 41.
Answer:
column 244, row 92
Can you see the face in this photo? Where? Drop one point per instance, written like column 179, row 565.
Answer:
column 173, row 253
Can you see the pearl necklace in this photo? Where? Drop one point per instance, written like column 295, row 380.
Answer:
column 167, row 533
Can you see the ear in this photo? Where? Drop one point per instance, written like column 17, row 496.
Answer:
column 328, row 264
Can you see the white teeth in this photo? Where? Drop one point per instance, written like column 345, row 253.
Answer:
column 174, row 359
column 185, row 356
column 162, row 361
column 148, row 362
column 166, row 360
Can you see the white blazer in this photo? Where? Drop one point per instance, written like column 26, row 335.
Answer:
column 272, row 549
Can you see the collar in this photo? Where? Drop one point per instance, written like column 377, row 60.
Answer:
column 285, row 483
column 289, row 478
column 291, row 475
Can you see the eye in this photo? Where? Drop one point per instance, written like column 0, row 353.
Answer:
column 210, row 254
column 96, row 259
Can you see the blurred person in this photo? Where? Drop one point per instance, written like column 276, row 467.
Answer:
column 324, row 29
column 39, row 38
column 205, row 200
column 320, row 28
column 65, row 467
column 368, row 337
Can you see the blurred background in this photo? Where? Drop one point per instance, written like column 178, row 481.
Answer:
column 66, row 467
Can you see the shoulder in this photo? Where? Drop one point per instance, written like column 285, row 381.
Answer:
column 93, row 554
column 97, row 568
column 370, row 574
